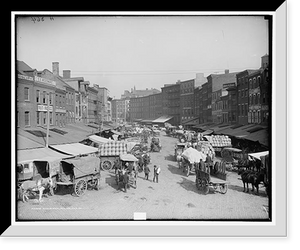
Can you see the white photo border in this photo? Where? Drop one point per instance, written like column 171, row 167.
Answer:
column 276, row 228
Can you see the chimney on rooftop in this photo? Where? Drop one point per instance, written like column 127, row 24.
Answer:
column 226, row 71
column 55, row 68
column 66, row 74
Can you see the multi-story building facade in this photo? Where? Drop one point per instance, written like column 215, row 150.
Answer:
column 206, row 102
column 81, row 96
column 229, row 105
column 259, row 93
column 33, row 94
column 187, row 100
column 255, row 80
column 93, row 103
column 139, row 92
column 218, row 81
column 243, row 95
column 104, row 109
column 197, row 101
column 171, row 101
column 155, row 106
column 265, row 90
column 120, row 110
column 135, row 109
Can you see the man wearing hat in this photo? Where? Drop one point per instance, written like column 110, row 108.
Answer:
column 156, row 173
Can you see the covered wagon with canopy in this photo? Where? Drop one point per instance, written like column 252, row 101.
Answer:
column 191, row 159
column 81, row 173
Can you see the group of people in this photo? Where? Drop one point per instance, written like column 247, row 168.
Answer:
column 131, row 167
column 156, row 171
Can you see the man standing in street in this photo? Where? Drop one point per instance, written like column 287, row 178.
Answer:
column 156, row 173
column 147, row 171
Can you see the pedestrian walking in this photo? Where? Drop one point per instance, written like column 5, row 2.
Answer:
column 147, row 171
column 156, row 173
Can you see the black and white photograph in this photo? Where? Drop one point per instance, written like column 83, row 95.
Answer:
column 143, row 118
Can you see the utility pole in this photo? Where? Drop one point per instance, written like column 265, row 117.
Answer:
column 48, row 119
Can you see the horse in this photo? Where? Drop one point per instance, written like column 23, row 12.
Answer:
column 39, row 185
column 251, row 177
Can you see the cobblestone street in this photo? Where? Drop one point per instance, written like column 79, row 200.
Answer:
column 174, row 197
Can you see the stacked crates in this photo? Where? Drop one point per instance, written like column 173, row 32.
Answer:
column 113, row 148
column 219, row 141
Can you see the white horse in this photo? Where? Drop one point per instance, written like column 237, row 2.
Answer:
column 38, row 185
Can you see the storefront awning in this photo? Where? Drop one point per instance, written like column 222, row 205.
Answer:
column 74, row 149
column 38, row 154
column 193, row 121
column 162, row 119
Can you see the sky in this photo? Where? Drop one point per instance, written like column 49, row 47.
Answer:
column 120, row 52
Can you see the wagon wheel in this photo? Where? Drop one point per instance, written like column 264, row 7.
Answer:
column 198, row 183
column 204, row 186
column 80, row 187
column 223, row 188
column 106, row 165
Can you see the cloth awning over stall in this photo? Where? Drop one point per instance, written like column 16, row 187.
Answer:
column 38, row 154
column 259, row 154
column 74, row 149
column 162, row 119
column 128, row 157
column 99, row 139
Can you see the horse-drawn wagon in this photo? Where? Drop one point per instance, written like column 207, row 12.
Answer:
column 191, row 159
column 39, row 178
column 109, row 153
column 215, row 177
column 81, row 173
column 233, row 157
column 126, row 174
column 155, row 145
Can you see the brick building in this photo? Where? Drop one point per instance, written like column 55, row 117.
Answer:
column 218, row 82
column 187, row 100
column 171, row 101
column 33, row 92
column 155, row 106
column 243, row 96
column 206, row 102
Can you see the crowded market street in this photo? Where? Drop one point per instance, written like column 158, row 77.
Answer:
column 175, row 196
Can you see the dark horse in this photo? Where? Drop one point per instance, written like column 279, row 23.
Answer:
column 144, row 160
column 253, row 178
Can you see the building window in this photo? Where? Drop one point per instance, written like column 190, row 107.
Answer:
column 38, row 96
column 258, row 80
column 26, row 94
column 250, row 83
column 50, row 118
column 27, row 118
column 254, row 82
column 50, row 98
column 38, row 118
column 44, row 97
